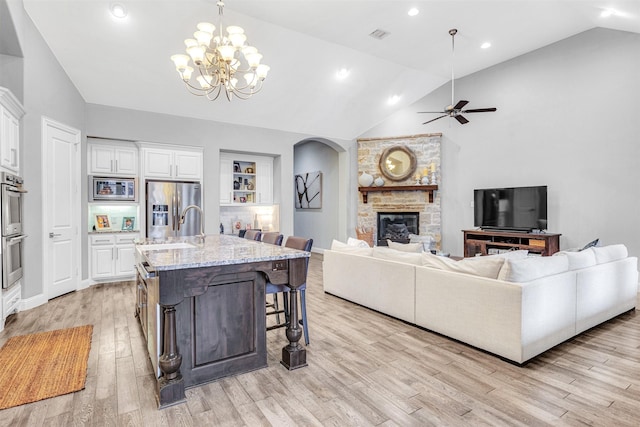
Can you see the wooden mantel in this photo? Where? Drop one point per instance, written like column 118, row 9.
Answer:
column 428, row 188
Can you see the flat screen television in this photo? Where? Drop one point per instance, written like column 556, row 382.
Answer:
column 514, row 208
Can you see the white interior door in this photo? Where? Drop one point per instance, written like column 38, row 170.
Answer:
column 61, row 208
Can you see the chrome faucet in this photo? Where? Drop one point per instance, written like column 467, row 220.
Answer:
column 184, row 212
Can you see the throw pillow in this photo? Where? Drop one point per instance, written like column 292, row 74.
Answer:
column 591, row 244
column 359, row 243
column 609, row 253
column 395, row 255
column 343, row 247
column 532, row 268
column 405, row 247
column 478, row 266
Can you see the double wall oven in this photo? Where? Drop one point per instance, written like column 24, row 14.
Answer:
column 11, row 200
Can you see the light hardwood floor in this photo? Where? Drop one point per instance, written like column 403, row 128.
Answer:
column 364, row 369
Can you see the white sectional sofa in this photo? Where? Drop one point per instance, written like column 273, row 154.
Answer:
column 513, row 306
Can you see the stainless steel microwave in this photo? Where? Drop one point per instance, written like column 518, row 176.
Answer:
column 112, row 189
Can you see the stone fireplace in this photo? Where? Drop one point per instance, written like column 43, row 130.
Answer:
column 394, row 202
column 397, row 226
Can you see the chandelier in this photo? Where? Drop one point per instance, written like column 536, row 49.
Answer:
column 224, row 63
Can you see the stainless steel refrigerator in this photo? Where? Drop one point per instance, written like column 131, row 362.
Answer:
column 165, row 203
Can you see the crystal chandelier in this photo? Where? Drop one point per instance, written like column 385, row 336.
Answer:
column 225, row 63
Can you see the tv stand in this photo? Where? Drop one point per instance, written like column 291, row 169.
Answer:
column 488, row 242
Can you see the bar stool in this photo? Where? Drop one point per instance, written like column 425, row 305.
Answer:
column 274, row 238
column 252, row 235
column 304, row 245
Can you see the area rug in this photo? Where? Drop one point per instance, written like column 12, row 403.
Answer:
column 47, row 364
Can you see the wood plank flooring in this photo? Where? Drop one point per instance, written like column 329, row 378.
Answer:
column 364, row 369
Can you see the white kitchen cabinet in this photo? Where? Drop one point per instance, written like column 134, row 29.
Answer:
column 112, row 255
column 11, row 111
column 172, row 164
column 113, row 160
column 226, row 180
column 246, row 180
column 264, row 181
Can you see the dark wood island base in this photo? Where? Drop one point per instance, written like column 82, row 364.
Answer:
column 209, row 322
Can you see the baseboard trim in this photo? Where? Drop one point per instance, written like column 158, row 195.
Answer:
column 32, row 302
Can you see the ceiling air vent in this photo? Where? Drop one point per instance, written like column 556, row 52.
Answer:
column 379, row 34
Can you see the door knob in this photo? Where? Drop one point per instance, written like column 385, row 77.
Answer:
column 52, row 235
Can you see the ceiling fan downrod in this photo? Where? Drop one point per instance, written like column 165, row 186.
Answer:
column 453, row 33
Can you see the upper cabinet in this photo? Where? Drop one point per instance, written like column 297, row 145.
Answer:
column 171, row 164
column 11, row 111
column 246, row 179
column 109, row 159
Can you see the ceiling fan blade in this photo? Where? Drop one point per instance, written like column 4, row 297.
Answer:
column 480, row 110
column 432, row 120
column 460, row 104
column 461, row 119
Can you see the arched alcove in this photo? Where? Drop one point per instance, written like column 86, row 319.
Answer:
column 320, row 223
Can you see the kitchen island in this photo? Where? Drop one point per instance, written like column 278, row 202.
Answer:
column 201, row 305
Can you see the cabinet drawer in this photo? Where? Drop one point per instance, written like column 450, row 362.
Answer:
column 100, row 239
column 127, row 238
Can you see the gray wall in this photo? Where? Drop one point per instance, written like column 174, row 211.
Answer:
column 319, row 224
column 567, row 118
column 11, row 62
column 47, row 92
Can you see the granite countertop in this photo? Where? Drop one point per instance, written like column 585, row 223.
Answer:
column 191, row 252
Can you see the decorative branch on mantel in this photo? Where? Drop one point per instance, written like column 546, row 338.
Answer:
column 428, row 188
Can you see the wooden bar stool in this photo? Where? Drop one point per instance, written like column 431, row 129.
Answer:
column 304, row 245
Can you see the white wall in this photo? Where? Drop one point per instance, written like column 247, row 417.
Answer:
column 567, row 118
column 319, row 224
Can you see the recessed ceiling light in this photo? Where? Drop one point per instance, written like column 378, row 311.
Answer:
column 485, row 45
column 342, row 73
column 413, row 11
column 118, row 10
column 393, row 100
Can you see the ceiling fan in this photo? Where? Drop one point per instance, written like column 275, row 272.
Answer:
column 456, row 110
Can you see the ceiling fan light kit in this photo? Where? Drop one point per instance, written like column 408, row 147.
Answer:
column 456, row 110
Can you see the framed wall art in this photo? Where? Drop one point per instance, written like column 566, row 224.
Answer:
column 308, row 190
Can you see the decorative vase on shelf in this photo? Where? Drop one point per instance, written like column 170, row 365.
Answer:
column 425, row 180
column 365, row 180
column 378, row 182
column 236, row 185
column 250, row 186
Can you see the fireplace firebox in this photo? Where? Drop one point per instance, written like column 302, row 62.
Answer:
column 397, row 226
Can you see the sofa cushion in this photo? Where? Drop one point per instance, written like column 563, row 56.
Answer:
column 578, row 260
column 486, row 266
column 343, row 247
column 395, row 255
column 609, row 253
column 532, row 268
column 405, row 247
column 359, row 243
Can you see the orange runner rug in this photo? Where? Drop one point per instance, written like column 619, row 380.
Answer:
column 43, row 365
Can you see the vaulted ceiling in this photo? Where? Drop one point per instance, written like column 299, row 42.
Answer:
column 125, row 62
